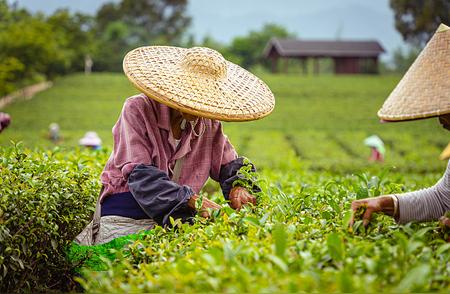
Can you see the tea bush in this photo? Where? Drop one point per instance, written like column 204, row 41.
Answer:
column 46, row 198
column 296, row 239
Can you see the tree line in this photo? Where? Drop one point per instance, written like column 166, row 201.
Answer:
column 36, row 47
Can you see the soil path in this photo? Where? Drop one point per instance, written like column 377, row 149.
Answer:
column 24, row 93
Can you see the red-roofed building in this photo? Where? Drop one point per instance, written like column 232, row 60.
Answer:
column 349, row 57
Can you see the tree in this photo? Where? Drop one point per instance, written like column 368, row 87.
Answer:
column 249, row 48
column 11, row 13
column 107, row 13
column 111, row 47
column 31, row 41
column 76, row 35
column 417, row 20
column 34, row 47
column 147, row 19
column 132, row 23
column 402, row 59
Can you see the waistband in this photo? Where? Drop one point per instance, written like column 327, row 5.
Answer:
column 122, row 204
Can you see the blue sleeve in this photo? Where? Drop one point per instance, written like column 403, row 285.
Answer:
column 229, row 174
column 158, row 196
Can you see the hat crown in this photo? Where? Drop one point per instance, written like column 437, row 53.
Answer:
column 205, row 61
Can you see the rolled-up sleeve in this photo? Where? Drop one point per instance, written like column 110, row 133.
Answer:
column 229, row 173
column 158, row 196
column 427, row 204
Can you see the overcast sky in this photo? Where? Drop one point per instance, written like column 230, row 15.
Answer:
column 319, row 19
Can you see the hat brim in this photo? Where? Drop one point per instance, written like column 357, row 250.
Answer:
column 424, row 90
column 411, row 119
column 401, row 117
column 238, row 96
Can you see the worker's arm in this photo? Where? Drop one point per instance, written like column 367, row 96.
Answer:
column 427, row 204
column 423, row 205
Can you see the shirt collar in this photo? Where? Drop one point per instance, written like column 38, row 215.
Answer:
column 163, row 117
column 163, row 121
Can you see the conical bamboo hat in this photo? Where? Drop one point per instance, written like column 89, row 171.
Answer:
column 198, row 81
column 424, row 90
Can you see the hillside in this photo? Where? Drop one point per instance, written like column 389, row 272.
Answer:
column 320, row 120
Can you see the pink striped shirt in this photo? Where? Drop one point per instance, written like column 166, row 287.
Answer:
column 142, row 135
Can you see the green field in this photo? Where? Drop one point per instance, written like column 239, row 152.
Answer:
column 319, row 121
column 312, row 164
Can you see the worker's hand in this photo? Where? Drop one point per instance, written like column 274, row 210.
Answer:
column 444, row 222
column 381, row 204
column 206, row 205
column 239, row 196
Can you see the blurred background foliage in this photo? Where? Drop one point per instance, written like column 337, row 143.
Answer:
column 417, row 20
column 35, row 47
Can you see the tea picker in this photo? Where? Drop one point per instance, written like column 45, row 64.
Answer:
column 91, row 140
column 376, row 145
column 5, row 120
column 423, row 92
column 54, row 132
column 168, row 141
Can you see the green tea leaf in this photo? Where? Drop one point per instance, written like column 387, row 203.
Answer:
column 335, row 246
column 281, row 239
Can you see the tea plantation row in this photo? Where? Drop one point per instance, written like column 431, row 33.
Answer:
column 323, row 120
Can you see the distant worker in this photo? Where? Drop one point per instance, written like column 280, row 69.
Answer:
column 53, row 132
column 377, row 147
column 5, row 120
column 423, row 92
column 88, row 63
column 91, row 140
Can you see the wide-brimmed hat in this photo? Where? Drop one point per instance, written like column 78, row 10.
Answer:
column 198, row 81
column 375, row 142
column 424, row 90
column 90, row 139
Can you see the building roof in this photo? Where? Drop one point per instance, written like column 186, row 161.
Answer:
column 319, row 48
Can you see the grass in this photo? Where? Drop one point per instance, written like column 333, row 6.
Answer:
column 77, row 103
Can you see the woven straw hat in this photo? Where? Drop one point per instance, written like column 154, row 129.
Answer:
column 424, row 90
column 198, row 81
